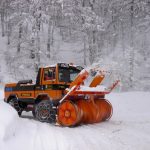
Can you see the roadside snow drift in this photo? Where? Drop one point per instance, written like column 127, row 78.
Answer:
column 128, row 129
column 8, row 121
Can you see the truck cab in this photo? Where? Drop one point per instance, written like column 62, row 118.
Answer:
column 53, row 80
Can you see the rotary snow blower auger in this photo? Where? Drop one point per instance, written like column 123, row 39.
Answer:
column 85, row 105
column 60, row 96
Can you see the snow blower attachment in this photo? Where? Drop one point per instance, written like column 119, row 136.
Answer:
column 85, row 105
column 61, row 96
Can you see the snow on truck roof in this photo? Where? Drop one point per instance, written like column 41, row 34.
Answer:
column 63, row 65
column 54, row 65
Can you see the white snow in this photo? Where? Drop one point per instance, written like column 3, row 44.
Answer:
column 83, row 71
column 128, row 129
column 93, row 89
column 53, row 65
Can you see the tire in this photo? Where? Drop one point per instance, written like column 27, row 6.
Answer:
column 15, row 104
column 45, row 112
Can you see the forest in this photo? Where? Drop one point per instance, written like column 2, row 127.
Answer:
column 111, row 34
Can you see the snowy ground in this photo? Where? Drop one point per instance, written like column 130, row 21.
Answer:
column 128, row 129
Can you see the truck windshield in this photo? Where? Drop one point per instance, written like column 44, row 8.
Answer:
column 67, row 74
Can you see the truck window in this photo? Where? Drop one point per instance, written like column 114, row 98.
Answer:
column 67, row 74
column 64, row 75
column 49, row 74
column 73, row 74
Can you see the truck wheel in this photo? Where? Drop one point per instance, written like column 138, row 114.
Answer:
column 45, row 112
column 15, row 104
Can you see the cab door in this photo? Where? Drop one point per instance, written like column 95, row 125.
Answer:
column 49, row 83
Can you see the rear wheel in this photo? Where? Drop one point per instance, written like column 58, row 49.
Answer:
column 45, row 112
column 15, row 104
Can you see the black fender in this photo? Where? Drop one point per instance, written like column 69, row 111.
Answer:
column 11, row 97
column 42, row 97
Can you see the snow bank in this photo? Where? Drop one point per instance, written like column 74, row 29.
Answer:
column 8, row 121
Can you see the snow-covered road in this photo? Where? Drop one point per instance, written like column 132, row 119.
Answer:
column 128, row 129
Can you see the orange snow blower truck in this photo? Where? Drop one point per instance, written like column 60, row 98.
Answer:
column 59, row 95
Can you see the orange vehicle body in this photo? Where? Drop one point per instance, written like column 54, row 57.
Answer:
column 54, row 89
column 57, row 96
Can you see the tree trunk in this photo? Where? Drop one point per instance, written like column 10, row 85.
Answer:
column 123, row 38
column 2, row 23
column 92, row 51
column 49, row 40
column 131, row 59
column 19, row 38
column 38, row 52
column 84, row 50
column 8, row 32
column 32, row 53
